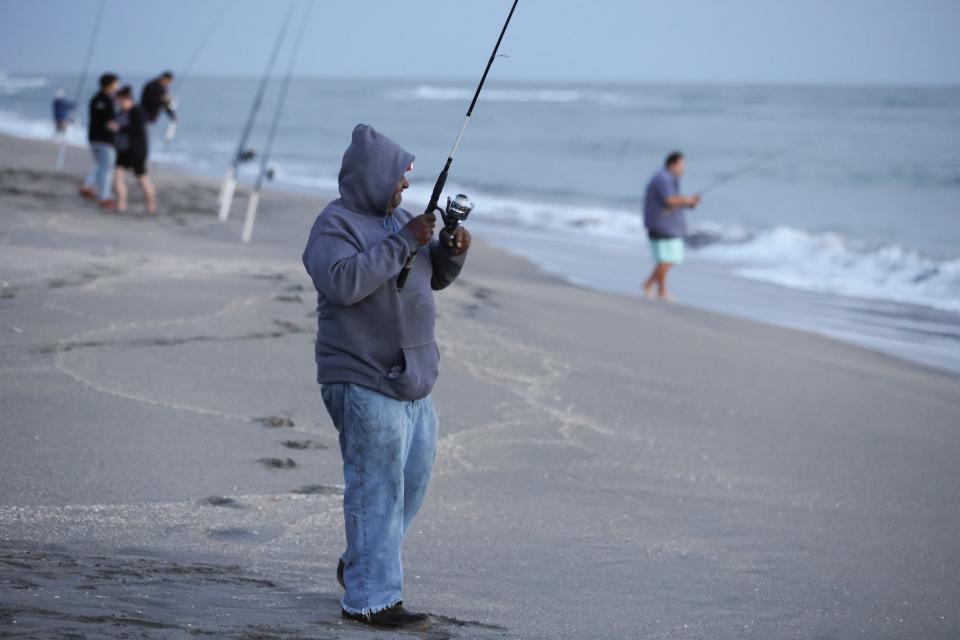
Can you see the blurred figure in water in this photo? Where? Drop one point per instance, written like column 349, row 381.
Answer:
column 132, row 146
column 664, row 216
column 62, row 111
column 100, row 132
column 156, row 97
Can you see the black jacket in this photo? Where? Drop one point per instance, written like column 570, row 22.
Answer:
column 102, row 111
column 153, row 99
column 131, row 140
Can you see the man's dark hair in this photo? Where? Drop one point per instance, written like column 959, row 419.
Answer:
column 126, row 91
column 108, row 79
column 672, row 158
column 167, row 74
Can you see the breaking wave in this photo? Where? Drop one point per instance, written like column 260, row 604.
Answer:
column 10, row 85
column 555, row 95
column 782, row 255
column 786, row 256
column 831, row 263
column 14, row 124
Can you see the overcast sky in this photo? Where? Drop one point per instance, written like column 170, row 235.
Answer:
column 717, row 41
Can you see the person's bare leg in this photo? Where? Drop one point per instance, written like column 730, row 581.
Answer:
column 149, row 193
column 120, row 184
column 655, row 280
column 651, row 281
column 664, row 294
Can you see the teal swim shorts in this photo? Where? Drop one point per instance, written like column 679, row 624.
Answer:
column 668, row 250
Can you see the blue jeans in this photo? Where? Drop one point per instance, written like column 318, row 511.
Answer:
column 388, row 448
column 100, row 178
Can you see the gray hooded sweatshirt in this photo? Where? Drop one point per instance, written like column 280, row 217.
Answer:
column 369, row 333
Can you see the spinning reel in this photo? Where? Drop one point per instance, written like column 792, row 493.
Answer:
column 458, row 208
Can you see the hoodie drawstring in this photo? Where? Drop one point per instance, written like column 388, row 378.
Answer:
column 393, row 225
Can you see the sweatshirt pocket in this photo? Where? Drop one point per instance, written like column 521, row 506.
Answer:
column 416, row 376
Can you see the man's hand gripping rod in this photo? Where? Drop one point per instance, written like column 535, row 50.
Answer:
column 442, row 178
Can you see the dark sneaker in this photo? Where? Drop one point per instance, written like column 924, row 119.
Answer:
column 88, row 193
column 396, row 617
column 340, row 568
column 108, row 205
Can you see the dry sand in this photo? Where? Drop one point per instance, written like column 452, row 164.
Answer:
column 608, row 467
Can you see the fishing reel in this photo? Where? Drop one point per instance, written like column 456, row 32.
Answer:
column 458, row 208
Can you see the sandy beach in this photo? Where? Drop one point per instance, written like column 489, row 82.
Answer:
column 609, row 467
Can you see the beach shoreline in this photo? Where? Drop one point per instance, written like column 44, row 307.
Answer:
column 618, row 264
column 607, row 467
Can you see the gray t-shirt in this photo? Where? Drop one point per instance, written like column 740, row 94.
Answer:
column 660, row 220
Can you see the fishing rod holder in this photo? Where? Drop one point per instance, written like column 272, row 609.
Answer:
column 458, row 208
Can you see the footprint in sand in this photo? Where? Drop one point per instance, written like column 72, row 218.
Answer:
column 274, row 422
column 303, row 444
column 287, row 297
column 482, row 293
column 233, row 533
column 289, row 327
column 318, row 490
column 220, row 501
column 277, row 463
column 269, row 276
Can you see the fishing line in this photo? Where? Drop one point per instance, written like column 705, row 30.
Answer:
column 277, row 114
column 753, row 164
column 204, row 41
column 191, row 61
column 243, row 154
column 458, row 208
column 83, row 80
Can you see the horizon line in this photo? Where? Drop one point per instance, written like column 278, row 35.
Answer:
column 742, row 83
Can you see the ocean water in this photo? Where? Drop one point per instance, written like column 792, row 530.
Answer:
column 850, row 217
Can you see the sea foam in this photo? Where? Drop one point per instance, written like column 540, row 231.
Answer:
column 11, row 85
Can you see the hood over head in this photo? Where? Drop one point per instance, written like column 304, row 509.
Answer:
column 372, row 166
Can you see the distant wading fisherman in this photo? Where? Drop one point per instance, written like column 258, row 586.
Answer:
column 100, row 132
column 62, row 109
column 665, row 219
column 377, row 363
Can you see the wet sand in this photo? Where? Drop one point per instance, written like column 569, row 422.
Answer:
column 608, row 467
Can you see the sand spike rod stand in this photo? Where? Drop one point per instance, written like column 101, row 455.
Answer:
column 229, row 184
column 254, row 200
column 61, row 154
column 442, row 178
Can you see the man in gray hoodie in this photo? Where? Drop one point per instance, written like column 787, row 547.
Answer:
column 377, row 362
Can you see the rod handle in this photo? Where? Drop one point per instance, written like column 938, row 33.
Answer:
column 431, row 206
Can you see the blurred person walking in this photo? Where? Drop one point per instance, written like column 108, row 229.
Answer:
column 132, row 144
column 664, row 216
column 100, row 132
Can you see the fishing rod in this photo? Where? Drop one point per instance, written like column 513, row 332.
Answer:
column 458, row 208
column 753, row 164
column 171, row 130
column 254, row 200
column 242, row 155
column 83, row 80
